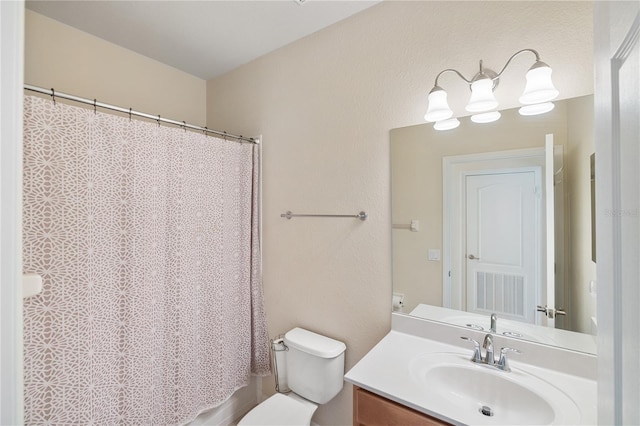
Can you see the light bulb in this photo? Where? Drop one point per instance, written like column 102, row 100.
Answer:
column 539, row 87
column 438, row 108
column 486, row 117
column 448, row 124
column 536, row 109
column 482, row 98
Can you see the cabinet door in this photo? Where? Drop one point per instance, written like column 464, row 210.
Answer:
column 370, row 409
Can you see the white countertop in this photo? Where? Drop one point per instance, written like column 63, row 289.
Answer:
column 386, row 371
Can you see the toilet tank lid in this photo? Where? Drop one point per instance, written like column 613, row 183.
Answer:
column 314, row 344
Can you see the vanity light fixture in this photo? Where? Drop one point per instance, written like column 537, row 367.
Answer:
column 448, row 124
column 486, row 117
column 538, row 93
column 536, row 109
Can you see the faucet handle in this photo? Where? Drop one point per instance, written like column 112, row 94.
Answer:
column 476, row 357
column 503, row 364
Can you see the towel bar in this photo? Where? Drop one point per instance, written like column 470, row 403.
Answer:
column 361, row 215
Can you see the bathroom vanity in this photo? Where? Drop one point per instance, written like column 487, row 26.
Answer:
column 372, row 409
column 421, row 372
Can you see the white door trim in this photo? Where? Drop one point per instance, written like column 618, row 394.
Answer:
column 455, row 168
column 11, row 95
column 617, row 31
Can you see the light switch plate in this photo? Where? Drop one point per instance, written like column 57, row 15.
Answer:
column 434, row 254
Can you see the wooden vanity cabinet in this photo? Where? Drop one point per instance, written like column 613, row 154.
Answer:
column 370, row 409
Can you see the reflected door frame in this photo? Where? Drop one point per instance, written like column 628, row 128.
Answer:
column 455, row 168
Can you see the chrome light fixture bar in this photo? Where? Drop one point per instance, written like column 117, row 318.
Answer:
column 538, row 93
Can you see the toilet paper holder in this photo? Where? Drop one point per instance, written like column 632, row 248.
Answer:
column 278, row 345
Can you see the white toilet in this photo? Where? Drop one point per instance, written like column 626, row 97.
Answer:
column 314, row 370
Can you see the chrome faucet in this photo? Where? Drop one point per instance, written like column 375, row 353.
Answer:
column 489, row 359
column 487, row 345
column 494, row 321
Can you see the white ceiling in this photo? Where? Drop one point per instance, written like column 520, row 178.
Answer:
column 203, row 38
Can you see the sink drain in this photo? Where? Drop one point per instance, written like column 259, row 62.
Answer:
column 486, row 411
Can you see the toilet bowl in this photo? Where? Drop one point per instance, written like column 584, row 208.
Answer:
column 280, row 409
column 314, row 370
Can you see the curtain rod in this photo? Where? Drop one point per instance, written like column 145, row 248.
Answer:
column 51, row 92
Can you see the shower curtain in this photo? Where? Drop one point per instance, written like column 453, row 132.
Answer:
column 147, row 238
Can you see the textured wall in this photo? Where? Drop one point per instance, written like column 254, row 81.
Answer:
column 80, row 64
column 325, row 106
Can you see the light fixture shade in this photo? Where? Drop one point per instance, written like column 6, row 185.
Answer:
column 539, row 87
column 487, row 117
column 438, row 108
column 536, row 109
column 448, row 124
column 482, row 98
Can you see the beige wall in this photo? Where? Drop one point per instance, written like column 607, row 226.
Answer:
column 581, row 145
column 325, row 106
column 80, row 64
column 416, row 166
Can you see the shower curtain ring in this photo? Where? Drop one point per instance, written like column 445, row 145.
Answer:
column 53, row 96
column 204, row 131
column 129, row 114
column 184, row 126
column 94, row 106
column 158, row 120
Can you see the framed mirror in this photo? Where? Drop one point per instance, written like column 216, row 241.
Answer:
column 485, row 221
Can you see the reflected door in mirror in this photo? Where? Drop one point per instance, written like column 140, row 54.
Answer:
column 502, row 226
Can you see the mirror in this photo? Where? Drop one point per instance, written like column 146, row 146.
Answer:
column 437, row 275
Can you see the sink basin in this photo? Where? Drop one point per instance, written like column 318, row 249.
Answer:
column 480, row 394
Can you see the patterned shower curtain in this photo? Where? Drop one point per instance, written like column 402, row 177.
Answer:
column 147, row 239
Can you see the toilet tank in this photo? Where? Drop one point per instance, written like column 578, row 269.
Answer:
column 315, row 365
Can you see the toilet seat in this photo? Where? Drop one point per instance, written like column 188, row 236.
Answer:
column 280, row 409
